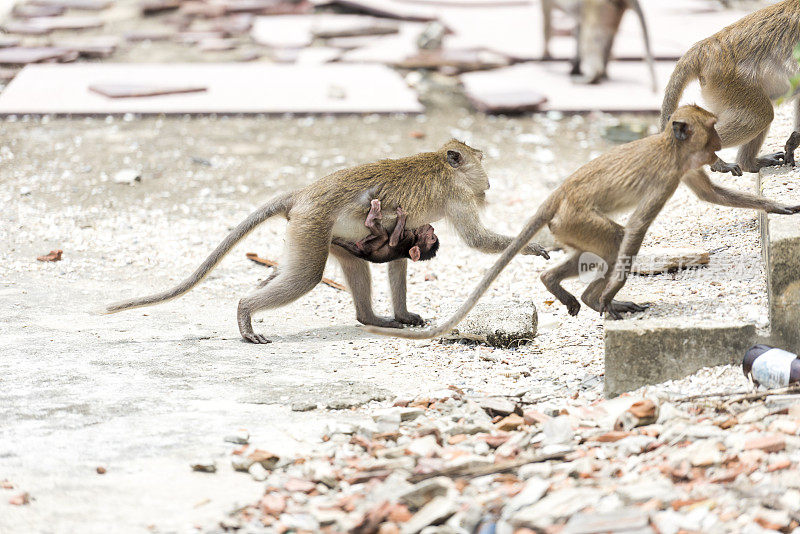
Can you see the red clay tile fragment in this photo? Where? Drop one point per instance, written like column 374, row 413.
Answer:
column 768, row 443
column 19, row 500
column 53, row 255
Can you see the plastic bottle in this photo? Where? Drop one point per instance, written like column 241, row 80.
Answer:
column 771, row 367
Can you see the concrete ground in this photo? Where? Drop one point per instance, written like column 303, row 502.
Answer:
column 145, row 393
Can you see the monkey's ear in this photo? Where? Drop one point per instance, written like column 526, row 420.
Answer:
column 454, row 158
column 681, row 130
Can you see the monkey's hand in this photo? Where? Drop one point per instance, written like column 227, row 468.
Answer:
column 409, row 318
column 785, row 210
column 721, row 166
column 534, row 249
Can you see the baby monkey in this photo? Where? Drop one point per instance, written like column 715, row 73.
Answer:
column 419, row 244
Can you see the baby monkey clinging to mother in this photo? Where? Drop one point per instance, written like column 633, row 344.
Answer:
column 449, row 183
column 641, row 176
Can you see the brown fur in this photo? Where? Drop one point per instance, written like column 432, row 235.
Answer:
column 742, row 70
column 598, row 24
column 449, row 183
column 639, row 176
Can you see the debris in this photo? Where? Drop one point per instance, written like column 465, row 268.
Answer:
column 53, row 255
column 435, row 512
column 269, row 263
column 205, row 466
column 20, row 499
column 101, row 470
column 502, row 325
column 644, row 412
column 652, row 261
column 771, row 367
column 766, row 443
column 127, row 176
column 265, row 458
column 241, row 437
column 301, row 406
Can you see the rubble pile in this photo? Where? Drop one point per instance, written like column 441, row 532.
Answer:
column 449, row 463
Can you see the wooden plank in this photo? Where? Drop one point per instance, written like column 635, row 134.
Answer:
column 232, row 88
column 627, row 89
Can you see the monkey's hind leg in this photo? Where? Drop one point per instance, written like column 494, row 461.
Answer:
column 552, row 278
column 307, row 252
column 593, row 232
column 745, row 114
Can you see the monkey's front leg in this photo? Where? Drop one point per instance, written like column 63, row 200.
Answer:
column 397, row 285
column 359, row 281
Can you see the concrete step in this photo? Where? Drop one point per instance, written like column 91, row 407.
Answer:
column 780, row 242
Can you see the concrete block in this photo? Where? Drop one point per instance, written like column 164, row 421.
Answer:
column 638, row 353
column 780, row 245
column 498, row 324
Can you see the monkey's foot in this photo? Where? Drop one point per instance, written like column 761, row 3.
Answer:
column 383, row 322
column 573, row 306
column 769, row 160
column 628, row 306
column 616, row 308
column 410, row 318
column 258, row 339
column 586, row 80
column 721, row 166
column 791, row 145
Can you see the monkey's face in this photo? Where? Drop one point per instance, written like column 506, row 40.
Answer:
column 693, row 129
column 426, row 244
column 465, row 161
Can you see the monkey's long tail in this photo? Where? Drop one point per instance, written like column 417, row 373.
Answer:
column 648, row 52
column 544, row 214
column 276, row 206
column 685, row 71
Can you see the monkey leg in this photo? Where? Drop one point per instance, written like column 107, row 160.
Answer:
column 299, row 273
column 359, row 281
column 397, row 285
column 399, row 228
column 744, row 115
column 592, row 231
column 552, row 278
column 374, row 214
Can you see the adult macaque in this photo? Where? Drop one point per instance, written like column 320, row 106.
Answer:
column 742, row 70
column 419, row 244
column 642, row 176
column 598, row 24
column 449, row 183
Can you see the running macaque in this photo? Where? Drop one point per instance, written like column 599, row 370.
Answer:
column 450, row 183
column 641, row 176
column 742, row 70
column 419, row 244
